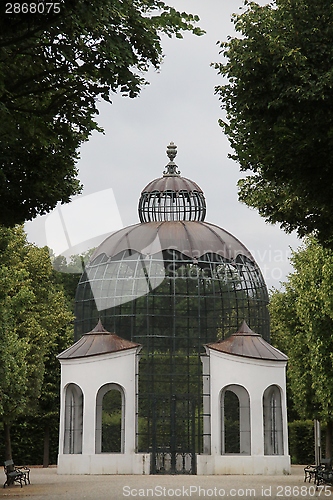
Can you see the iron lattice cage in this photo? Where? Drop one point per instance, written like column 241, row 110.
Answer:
column 170, row 298
column 172, row 306
column 172, row 284
column 172, row 206
column 172, row 197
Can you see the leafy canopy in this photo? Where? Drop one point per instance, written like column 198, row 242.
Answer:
column 302, row 326
column 34, row 320
column 279, row 112
column 53, row 69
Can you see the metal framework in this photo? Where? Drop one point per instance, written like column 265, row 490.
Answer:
column 194, row 304
column 172, row 197
column 171, row 206
column 172, row 304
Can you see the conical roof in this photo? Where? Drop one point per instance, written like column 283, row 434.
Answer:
column 249, row 344
column 98, row 341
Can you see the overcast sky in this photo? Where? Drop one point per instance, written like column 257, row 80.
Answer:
column 179, row 105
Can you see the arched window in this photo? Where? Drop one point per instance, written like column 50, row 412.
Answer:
column 273, row 429
column 110, row 415
column 73, row 419
column 235, row 412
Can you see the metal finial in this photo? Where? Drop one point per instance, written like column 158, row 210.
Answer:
column 172, row 151
column 171, row 168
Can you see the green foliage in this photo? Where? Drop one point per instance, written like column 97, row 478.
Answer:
column 53, row 69
column 279, row 111
column 231, row 422
column 67, row 273
column 34, row 326
column 301, row 441
column 27, row 438
column 302, row 327
column 111, row 422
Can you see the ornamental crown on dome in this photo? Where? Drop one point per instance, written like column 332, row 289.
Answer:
column 172, row 197
column 171, row 168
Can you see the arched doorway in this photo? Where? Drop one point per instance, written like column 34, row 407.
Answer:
column 273, row 424
column 73, row 419
column 235, row 415
column 110, row 405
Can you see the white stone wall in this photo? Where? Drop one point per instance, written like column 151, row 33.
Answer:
column 91, row 373
column 255, row 375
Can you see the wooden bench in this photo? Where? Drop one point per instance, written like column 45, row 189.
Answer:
column 15, row 474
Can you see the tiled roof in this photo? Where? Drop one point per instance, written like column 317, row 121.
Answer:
column 248, row 344
column 98, row 341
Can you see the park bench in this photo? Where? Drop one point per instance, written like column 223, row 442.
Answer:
column 15, row 474
column 310, row 472
column 322, row 474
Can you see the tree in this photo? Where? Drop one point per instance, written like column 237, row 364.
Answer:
column 279, row 112
column 302, row 326
column 54, row 66
column 48, row 409
column 33, row 313
column 68, row 273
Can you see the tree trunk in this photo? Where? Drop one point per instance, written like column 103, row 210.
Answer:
column 329, row 436
column 8, row 444
column 46, row 456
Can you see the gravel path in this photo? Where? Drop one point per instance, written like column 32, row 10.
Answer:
column 47, row 485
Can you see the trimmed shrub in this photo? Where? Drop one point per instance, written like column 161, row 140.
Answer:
column 301, row 441
column 27, row 436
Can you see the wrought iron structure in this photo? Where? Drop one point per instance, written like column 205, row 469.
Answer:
column 172, row 286
column 173, row 450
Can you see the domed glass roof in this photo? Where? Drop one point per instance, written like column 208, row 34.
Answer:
column 193, row 239
column 172, row 283
column 172, row 197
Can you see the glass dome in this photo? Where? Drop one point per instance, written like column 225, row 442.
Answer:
column 173, row 274
column 171, row 285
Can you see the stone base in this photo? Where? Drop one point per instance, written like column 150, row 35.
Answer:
column 235, row 464
column 104, row 463
column 139, row 463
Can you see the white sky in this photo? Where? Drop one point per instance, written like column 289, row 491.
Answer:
column 179, row 105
